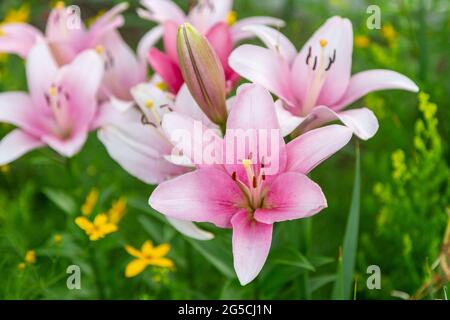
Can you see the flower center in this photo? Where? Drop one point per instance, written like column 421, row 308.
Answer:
column 253, row 189
column 318, row 66
column 57, row 100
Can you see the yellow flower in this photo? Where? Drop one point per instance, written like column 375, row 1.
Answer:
column 21, row 266
column 30, row 257
column 21, row 14
column 57, row 238
column 97, row 229
column 147, row 256
column 5, row 169
column 362, row 42
column 389, row 34
column 117, row 210
column 90, row 202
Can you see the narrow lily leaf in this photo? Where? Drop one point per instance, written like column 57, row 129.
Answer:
column 216, row 254
column 318, row 282
column 62, row 200
column 343, row 285
column 153, row 229
column 291, row 257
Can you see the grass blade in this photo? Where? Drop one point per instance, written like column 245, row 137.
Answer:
column 343, row 285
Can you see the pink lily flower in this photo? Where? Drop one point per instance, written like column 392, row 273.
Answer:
column 59, row 109
column 65, row 33
column 315, row 85
column 240, row 195
column 214, row 19
column 67, row 37
column 136, row 141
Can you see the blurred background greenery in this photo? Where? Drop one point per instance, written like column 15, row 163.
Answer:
column 404, row 189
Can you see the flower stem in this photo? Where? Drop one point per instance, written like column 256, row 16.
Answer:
column 97, row 280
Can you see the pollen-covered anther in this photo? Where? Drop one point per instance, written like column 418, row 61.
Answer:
column 53, row 91
column 247, row 163
column 323, row 43
column 231, row 18
column 60, row 5
column 100, row 49
column 149, row 104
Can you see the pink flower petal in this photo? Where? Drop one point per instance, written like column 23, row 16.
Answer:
column 190, row 230
column 170, row 39
column 205, row 16
column 110, row 21
column 67, row 147
column 166, row 68
column 205, row 195
column 146, row 165
column 186, row 105
column 240, row 34
column 251, row 246
column 219, row 36
column 148, row 41
column 16, row 144
column 161, row 11
column 312, row 148
column 373, row 80
column 339, row 36
column 274, row 40
column 125, row 71
column 17, row 109
column 42, row 71
column 202, row 145
column 291, row 196
column 265, row 67
column 253, row 113
column 18, row 38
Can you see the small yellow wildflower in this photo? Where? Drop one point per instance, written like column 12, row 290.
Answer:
column 90, row 202
column 30, row 257
column 21, row 14
column 147, row 256
column 117, row 210
column 57, row 238
column 98, row 229
column 398, row 162
column 362, row 42
column 21, row 266
column 231, row 18
column 5, row 169
column 389, row 34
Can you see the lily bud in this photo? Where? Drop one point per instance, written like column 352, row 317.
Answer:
column 203, row 73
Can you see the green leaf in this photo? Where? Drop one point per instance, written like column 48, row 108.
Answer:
column 216, row 254
column 153, row 229
column 346, row 267
column 62, row 200
column 291, row 257
column 320, row 281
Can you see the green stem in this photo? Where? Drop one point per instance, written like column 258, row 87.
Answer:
column 97, row 280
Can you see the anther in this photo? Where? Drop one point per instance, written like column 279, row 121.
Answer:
column 315, row 63
column 254, row 182
column 323, row 43
column 53, row 91
column 247, row 163
column 149, row 104
column 233, row 176
column 309, row 55
column 100, row 49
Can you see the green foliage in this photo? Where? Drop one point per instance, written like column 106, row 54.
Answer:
column 404, row 184
column 412, row 215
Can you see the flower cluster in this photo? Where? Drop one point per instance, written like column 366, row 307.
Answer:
column 237, row 161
